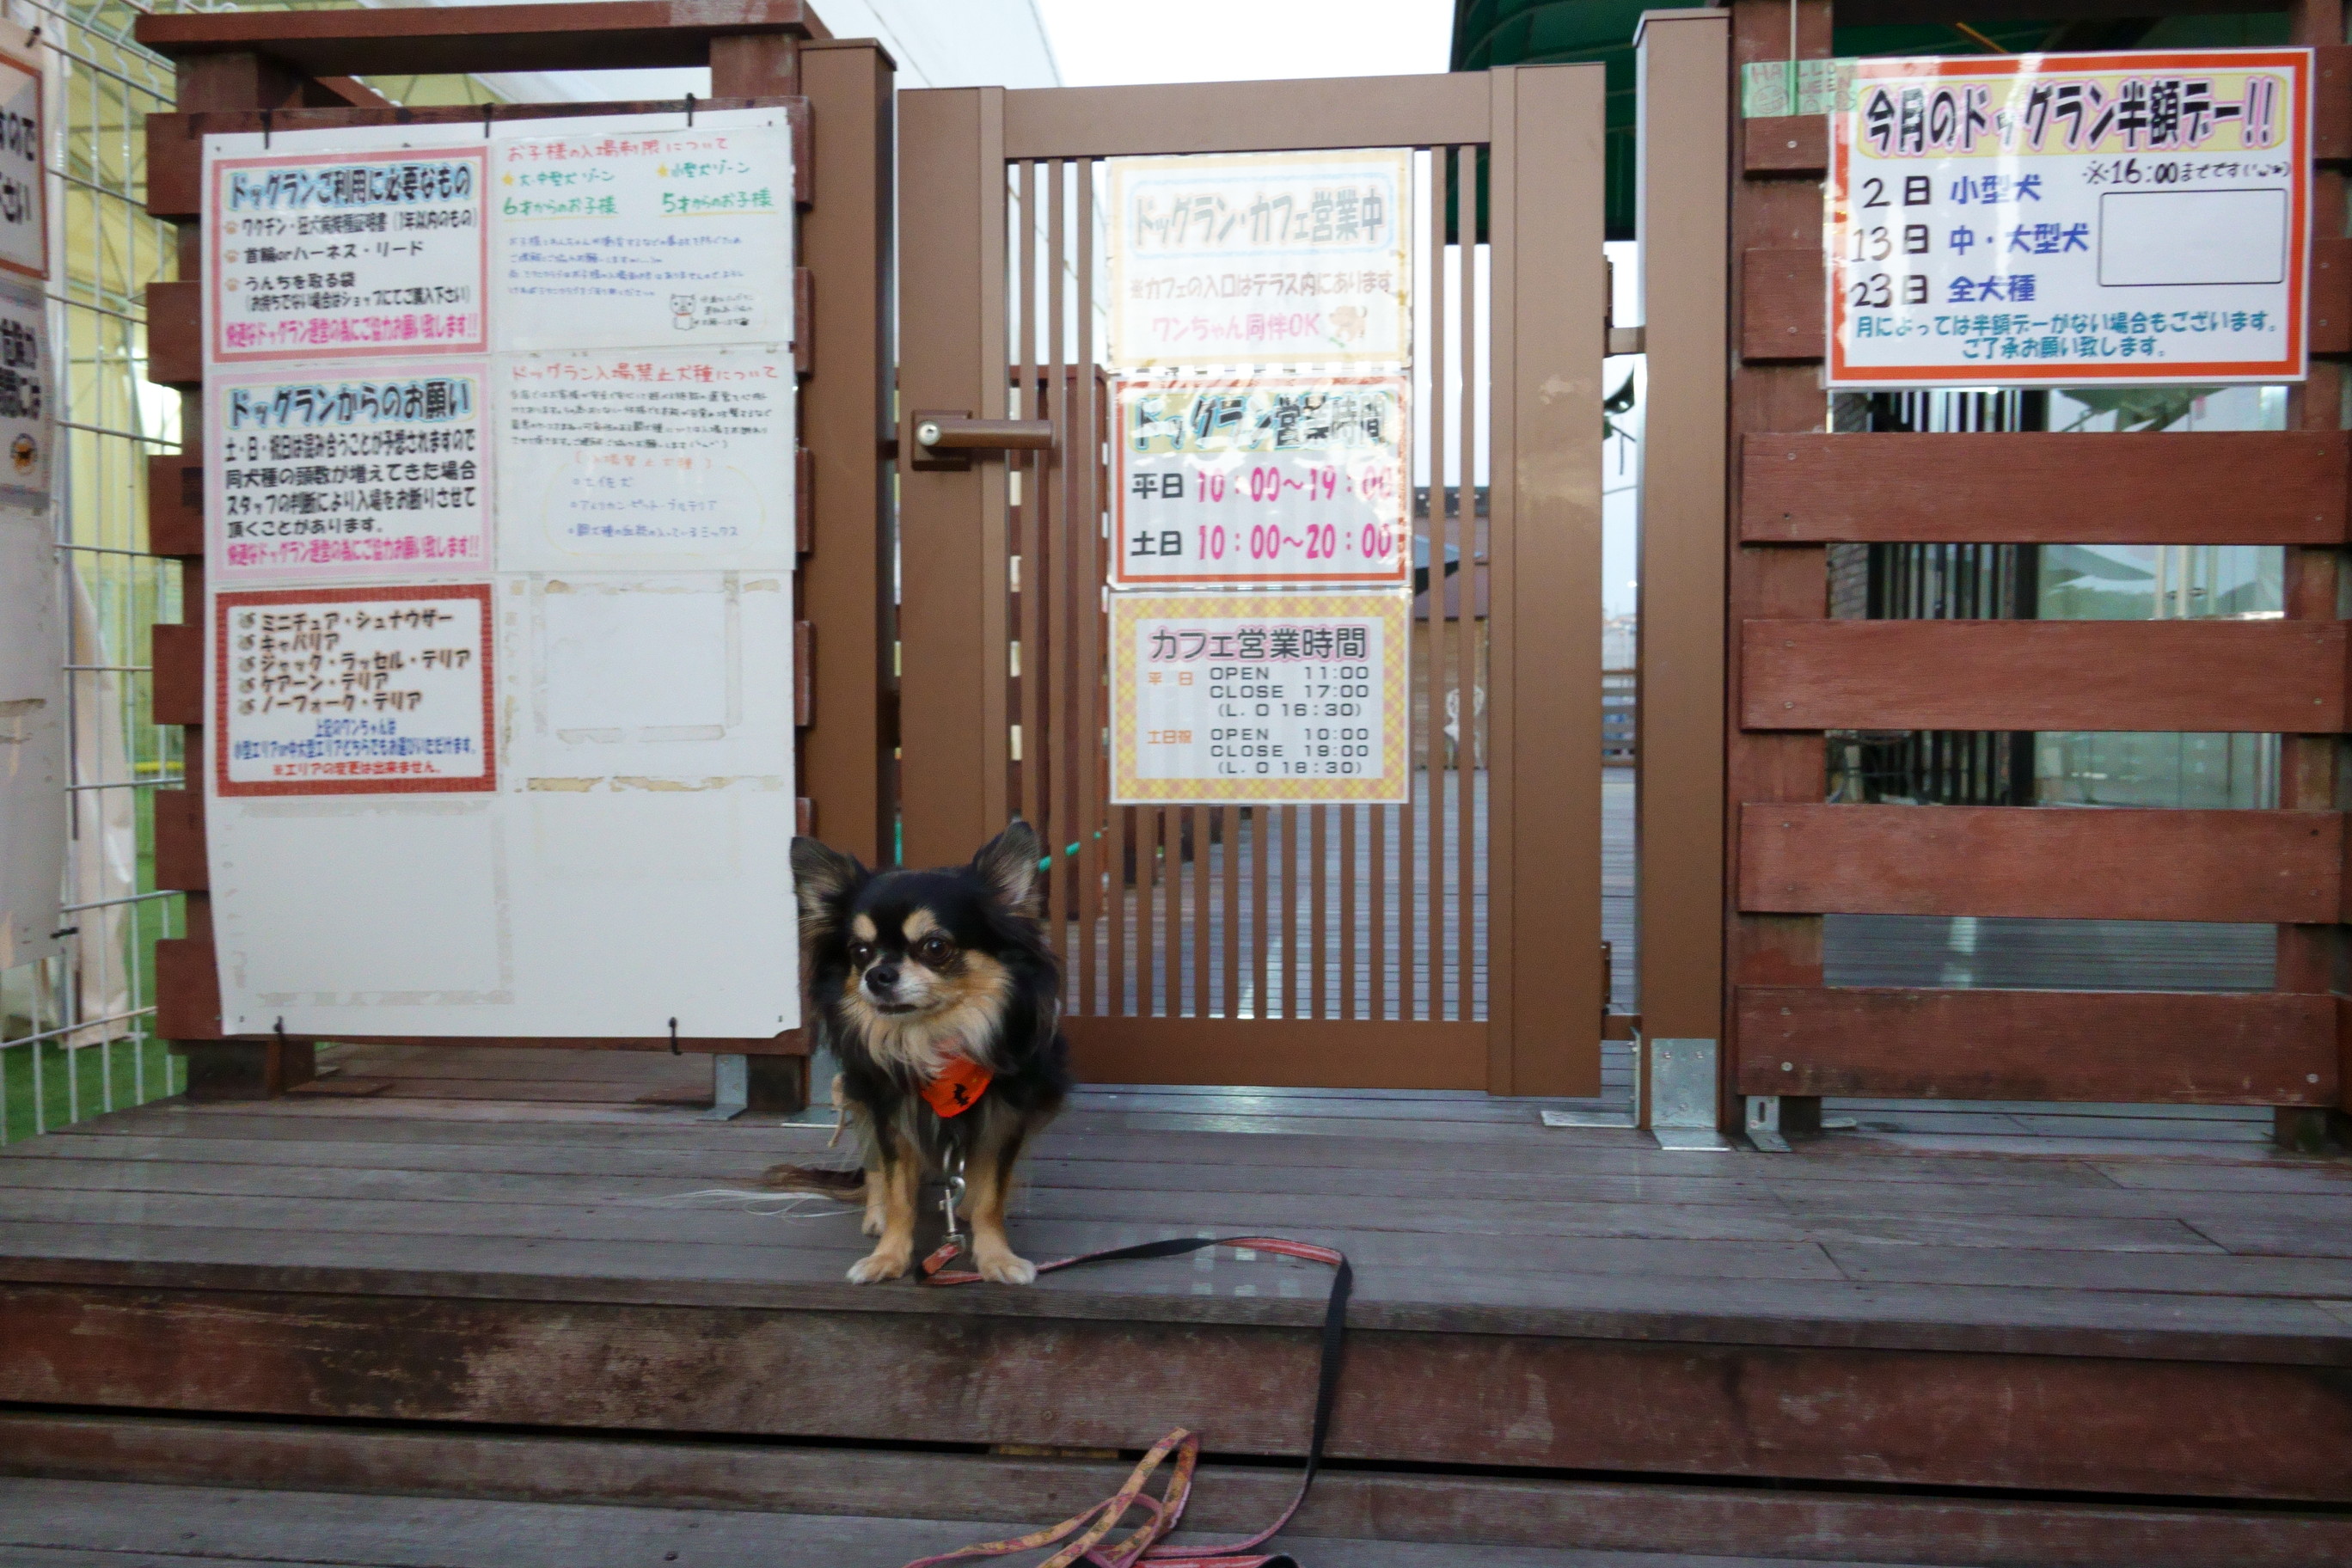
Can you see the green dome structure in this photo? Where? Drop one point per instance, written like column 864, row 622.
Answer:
column 1564, row 32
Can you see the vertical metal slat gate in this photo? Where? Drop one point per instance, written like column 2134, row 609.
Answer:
column 1282, row 945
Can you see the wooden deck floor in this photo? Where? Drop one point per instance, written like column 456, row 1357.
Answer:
column 594, row 1165
column 537, row 1278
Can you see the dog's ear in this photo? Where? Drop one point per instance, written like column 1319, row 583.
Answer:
column 824, row 880
column 1008, row 865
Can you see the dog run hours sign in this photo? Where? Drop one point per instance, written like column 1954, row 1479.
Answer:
column 2067, row 219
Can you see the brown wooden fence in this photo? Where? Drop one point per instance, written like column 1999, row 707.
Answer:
column 1794, row 673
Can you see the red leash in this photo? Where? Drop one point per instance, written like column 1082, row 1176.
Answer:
column 1080, row 1536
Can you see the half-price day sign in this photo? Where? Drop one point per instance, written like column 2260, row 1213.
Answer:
column 2117, row 218
column 1263, row 480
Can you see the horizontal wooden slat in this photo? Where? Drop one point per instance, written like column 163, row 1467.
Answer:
column 2331, row 294
column 2331, row 104
column 180, row 840
column 176, row 505
column 175, row 141
column 2286, row 677
column 1792, row 144
column 2034, row 488
column 1315, row 1053
column 396, row 42
column 175, row 333
column 2044, row 862
column 2137, row 1047
column 178, row 681
column 1782, row 309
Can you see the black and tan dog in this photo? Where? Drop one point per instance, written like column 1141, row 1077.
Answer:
column 938, row 992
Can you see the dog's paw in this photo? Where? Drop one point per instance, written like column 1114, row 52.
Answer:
column 1004, row 1268
column 882, row 1262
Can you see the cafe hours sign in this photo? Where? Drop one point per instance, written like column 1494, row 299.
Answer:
column 2071, row 219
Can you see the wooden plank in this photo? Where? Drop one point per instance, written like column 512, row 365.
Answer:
column 2042, row 863
column 1788, row 144
column 176, row 505
column 2034, row 486
column 1781, row 312
column 180, row 840
column 2287, row 677
column 1248, row 117
column 176, row 658
column 2331, row 104
column 1404, row 1054
column 963, row 1375
column 2254, row 1048
column 175, row 333
column 1494, row 1511
column 2331, row 294
column 2024, row 1268
column 616, row 34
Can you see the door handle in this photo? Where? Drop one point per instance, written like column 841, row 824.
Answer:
column 945, row 440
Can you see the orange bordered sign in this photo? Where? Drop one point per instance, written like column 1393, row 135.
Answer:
column 2070, row 219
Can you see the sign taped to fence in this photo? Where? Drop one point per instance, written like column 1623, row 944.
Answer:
column 613, row 240
column 1278, row 698
column 354, row 691
column 2117, row 218
column 27, row 436
column 1271, row 479
column 349, row 476
column 24, row 181
column 1261, row 258
column 331, row 254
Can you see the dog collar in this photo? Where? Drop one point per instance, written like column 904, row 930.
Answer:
column 958, row 1087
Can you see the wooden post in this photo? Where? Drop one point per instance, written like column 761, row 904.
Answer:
column 2311, row 958
column 1776, row 242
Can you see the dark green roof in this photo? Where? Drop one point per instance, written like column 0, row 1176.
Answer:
column 1556, row 32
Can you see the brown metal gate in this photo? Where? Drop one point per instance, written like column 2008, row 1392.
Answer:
column 1450, row 943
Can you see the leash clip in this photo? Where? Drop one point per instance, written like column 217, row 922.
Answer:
column 952, row 1244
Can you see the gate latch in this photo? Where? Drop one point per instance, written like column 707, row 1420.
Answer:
column 942, row 440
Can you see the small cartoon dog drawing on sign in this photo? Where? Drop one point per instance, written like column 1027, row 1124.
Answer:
column 1349, row 322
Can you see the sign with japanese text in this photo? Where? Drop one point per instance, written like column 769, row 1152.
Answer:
column 613, row 240
column 27, row 367
column 679, row 457
column 1258, row 696
column 1270, row 479
column 330, row 254
column 24, row 180
column 33, row 817
column 2139, row 217
column 354, row 691
column 348, row 476
column 1262, row 259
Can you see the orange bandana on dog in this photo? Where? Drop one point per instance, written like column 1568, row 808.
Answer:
column 958, row 1088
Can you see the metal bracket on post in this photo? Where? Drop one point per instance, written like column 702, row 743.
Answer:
column 730, row 1088
column 1764, row 1123
column 1682, row 1095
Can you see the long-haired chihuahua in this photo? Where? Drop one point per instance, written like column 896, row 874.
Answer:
column 940, row 998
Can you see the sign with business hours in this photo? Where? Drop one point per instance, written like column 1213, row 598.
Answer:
column 2068, row 219
column 615, row 239
column 348, row 475
column 317, row 256
column 1262, row 696
column 24, row 204
column 1261, row 258
column 1269, row 479
column 353, row 690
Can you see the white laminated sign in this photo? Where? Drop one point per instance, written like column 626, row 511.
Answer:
column 1267, row 480
column 1262, row 259
column 1278, row 697
column 2071, row 219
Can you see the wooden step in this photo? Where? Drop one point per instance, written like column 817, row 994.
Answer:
column 971, row 1494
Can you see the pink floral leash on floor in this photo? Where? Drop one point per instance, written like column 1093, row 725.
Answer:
column 1080, row 1537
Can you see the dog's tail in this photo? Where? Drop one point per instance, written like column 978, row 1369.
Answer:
column 831, row 1181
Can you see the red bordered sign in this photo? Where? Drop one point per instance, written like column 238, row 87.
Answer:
column 354, row 691
column 2119, row 218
